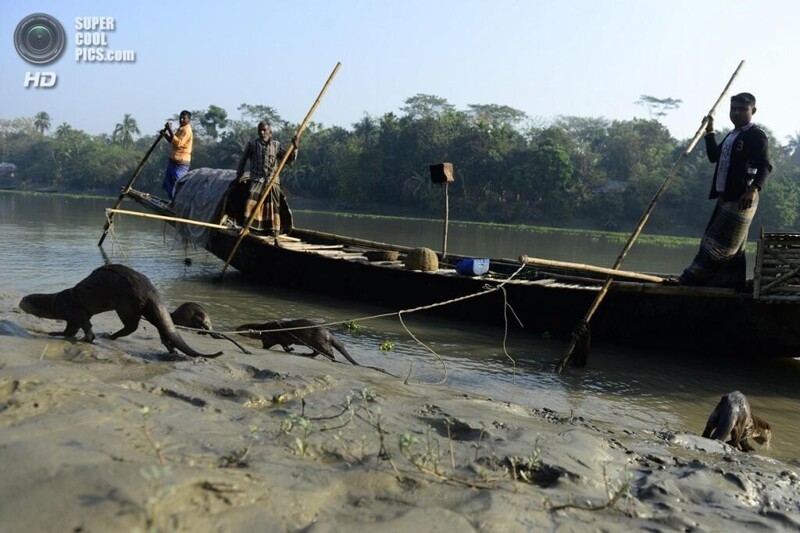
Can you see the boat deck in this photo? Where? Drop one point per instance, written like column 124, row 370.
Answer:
column 356, row 250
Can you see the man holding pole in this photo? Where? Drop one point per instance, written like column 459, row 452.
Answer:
column 264, row 153
column 742, row 167
column 181, row 154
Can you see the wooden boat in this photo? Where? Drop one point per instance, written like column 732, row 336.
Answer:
column 711, row 322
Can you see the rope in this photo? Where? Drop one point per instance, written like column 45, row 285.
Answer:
column 500, row 287
column 114, row 240
column 506, row 308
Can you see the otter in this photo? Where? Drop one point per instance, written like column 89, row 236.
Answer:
column 732, row 421
column 193, row 315
column 110, row 288
column 318, row 338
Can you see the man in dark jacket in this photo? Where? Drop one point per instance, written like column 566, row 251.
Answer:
column 742, row 168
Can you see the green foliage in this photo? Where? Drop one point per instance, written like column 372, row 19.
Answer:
column 214, row 120
column 386, row 346
column 125, row 130
column 658, row 107
column 426, row 106
column 780, row 214
column 574, row 170
column 41, row 121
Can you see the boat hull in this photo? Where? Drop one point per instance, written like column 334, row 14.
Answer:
column 710, row 322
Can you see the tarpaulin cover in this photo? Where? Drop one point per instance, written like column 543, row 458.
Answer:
column 200, row 195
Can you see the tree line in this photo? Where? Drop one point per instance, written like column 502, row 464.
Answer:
column 509, row 167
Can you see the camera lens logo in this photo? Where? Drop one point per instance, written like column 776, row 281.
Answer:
column 39, row 39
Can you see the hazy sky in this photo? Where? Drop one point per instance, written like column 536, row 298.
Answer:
column 546, row 58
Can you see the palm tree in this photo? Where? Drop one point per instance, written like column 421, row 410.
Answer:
column 366, row 130
column 41, row 122
column 63, row 130
column 125, row 130
column 793, row 146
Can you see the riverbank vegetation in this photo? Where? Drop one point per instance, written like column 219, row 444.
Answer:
column 570, row 171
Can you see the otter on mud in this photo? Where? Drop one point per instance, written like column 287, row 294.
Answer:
column 732, row 421
column 110, row 288
column 318, row 338
column 193, row 315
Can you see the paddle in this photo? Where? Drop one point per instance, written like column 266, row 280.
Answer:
column 581, row 335
column 265, row 192
column 128, row 186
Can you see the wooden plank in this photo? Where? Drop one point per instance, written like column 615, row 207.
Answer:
column 534, row 261
column 758, row 267
column 307, row 246
column 337, row 254
column 777, row 266
column 780, row 298
column 352, row 240
column 167, row 218
column 771, row 262
column 675, row 290
column 782, row 289
column 768, row 278
column 779, row 259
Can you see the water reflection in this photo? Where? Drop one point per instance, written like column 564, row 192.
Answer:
column 50, row 243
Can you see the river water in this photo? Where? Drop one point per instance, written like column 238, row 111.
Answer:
column 49, row 243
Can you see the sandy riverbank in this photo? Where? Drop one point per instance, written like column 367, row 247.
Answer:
column 116, row 436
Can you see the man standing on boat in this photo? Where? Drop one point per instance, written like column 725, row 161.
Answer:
column 742, row 167
column 181, row 154
column 264, row 153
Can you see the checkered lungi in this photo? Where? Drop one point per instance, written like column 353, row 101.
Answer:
column 721, row 262
column 263, row 220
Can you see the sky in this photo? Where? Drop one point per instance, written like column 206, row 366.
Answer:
column 591, row 58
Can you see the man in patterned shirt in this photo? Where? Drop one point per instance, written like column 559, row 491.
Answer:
column 264, row 153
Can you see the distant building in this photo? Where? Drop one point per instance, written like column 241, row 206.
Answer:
column 7, row 170
column 612, row 187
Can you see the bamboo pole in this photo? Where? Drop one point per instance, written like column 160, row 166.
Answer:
column 352, row 240
column 265, row 192
column 446, row 219
column 589, row 268
column 165, row 217
column 129, row 185
column 580, row 335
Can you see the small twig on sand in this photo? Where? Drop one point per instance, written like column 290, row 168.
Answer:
column 144, row 411
column 609, row 503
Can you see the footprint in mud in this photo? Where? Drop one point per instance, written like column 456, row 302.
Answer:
column 260, row 373
column 192, row 400
column 448, row 426
column 531, row 472
column 12, row 329
column 243, row 397
column 24, row 396
column 7, row 389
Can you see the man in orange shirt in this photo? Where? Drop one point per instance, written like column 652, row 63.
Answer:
column 181, row 154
